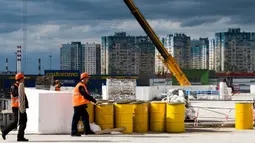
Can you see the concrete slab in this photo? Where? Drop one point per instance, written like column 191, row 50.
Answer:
column 208, row 135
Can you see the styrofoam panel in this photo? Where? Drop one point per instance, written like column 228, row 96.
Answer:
column 33, row 110
column 49, row 112
column 252, row 89
column 139, row 93
column 104, row 93
column 152, row 93
column 55, row 113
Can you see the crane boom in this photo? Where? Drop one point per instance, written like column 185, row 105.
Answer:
column 166, row 58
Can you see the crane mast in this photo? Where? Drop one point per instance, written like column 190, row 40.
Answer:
column 165, row 57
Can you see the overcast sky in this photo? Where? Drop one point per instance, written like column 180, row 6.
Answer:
column 52, row 22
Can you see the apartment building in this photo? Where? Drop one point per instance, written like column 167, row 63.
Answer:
column 178, row 45
column 125, row 54
column 234, row 50
column 71, row 56
column 200, row 53
column 212, row 55
column 82, row 57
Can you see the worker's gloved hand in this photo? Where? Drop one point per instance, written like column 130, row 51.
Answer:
column 94, row 101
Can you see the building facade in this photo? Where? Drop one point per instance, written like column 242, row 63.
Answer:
column 82, row 57
column 235, row 50
column 92, row 58
column 212, row 55
column 200, row 53
column 160, row 68
column 122, row 54
column 178, row 45
column 71, row 56
column 146, row 53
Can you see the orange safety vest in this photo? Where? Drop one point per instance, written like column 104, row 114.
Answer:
column 57, row 87
column 15, row 98
column 78, row 98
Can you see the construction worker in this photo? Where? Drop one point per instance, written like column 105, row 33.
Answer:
column 81, row 98
column 57, row 85
column 19, row 104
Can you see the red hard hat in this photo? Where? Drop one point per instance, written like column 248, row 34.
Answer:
column 84, row 75
column 19, row 76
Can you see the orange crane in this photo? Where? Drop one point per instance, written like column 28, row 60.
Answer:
column 165, row 57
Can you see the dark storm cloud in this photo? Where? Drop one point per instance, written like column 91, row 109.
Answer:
column 199, row 20
column 80, row 12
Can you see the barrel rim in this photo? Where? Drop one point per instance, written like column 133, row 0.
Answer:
column 140, row 103
column 244, row 102
column 176, row 103
column 124, row 103
column 159, row 102
column 104, row 104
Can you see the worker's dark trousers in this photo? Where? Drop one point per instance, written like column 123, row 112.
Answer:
column 18, row 116
column 80, row 111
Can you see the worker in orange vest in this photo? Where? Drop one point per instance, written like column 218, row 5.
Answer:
column 19, row 104
column 57, row 85
column 81, row 98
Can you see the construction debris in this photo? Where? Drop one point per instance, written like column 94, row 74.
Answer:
column 44, row 82
column 94, row 127
column 179, row 96
column 110, row 131
column 175, row 96
column 121, row 89
column 98, row 131
column 225, row 91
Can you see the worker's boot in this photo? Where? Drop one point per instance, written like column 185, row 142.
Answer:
column 3, row 135
column 89, row 133
column 76, row 135
column 22, row 140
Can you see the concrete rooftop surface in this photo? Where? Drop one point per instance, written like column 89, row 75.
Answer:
column 208, row 135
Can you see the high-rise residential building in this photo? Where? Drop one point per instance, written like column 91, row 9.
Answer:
column 234, row 50
column 200, row 53
column 82, row 57
column 212, row 54
column 146, row 54
column 160, row 68
column 92, row 58
column 178, row 45
column 122, row 54
column 71, row 56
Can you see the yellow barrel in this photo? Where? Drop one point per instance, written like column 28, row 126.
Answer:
column 141, row 118
column 104, row 116
column 157, row 116
column 175, row 114
column 244, row 116
column 124, row 117
column 90, row 111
